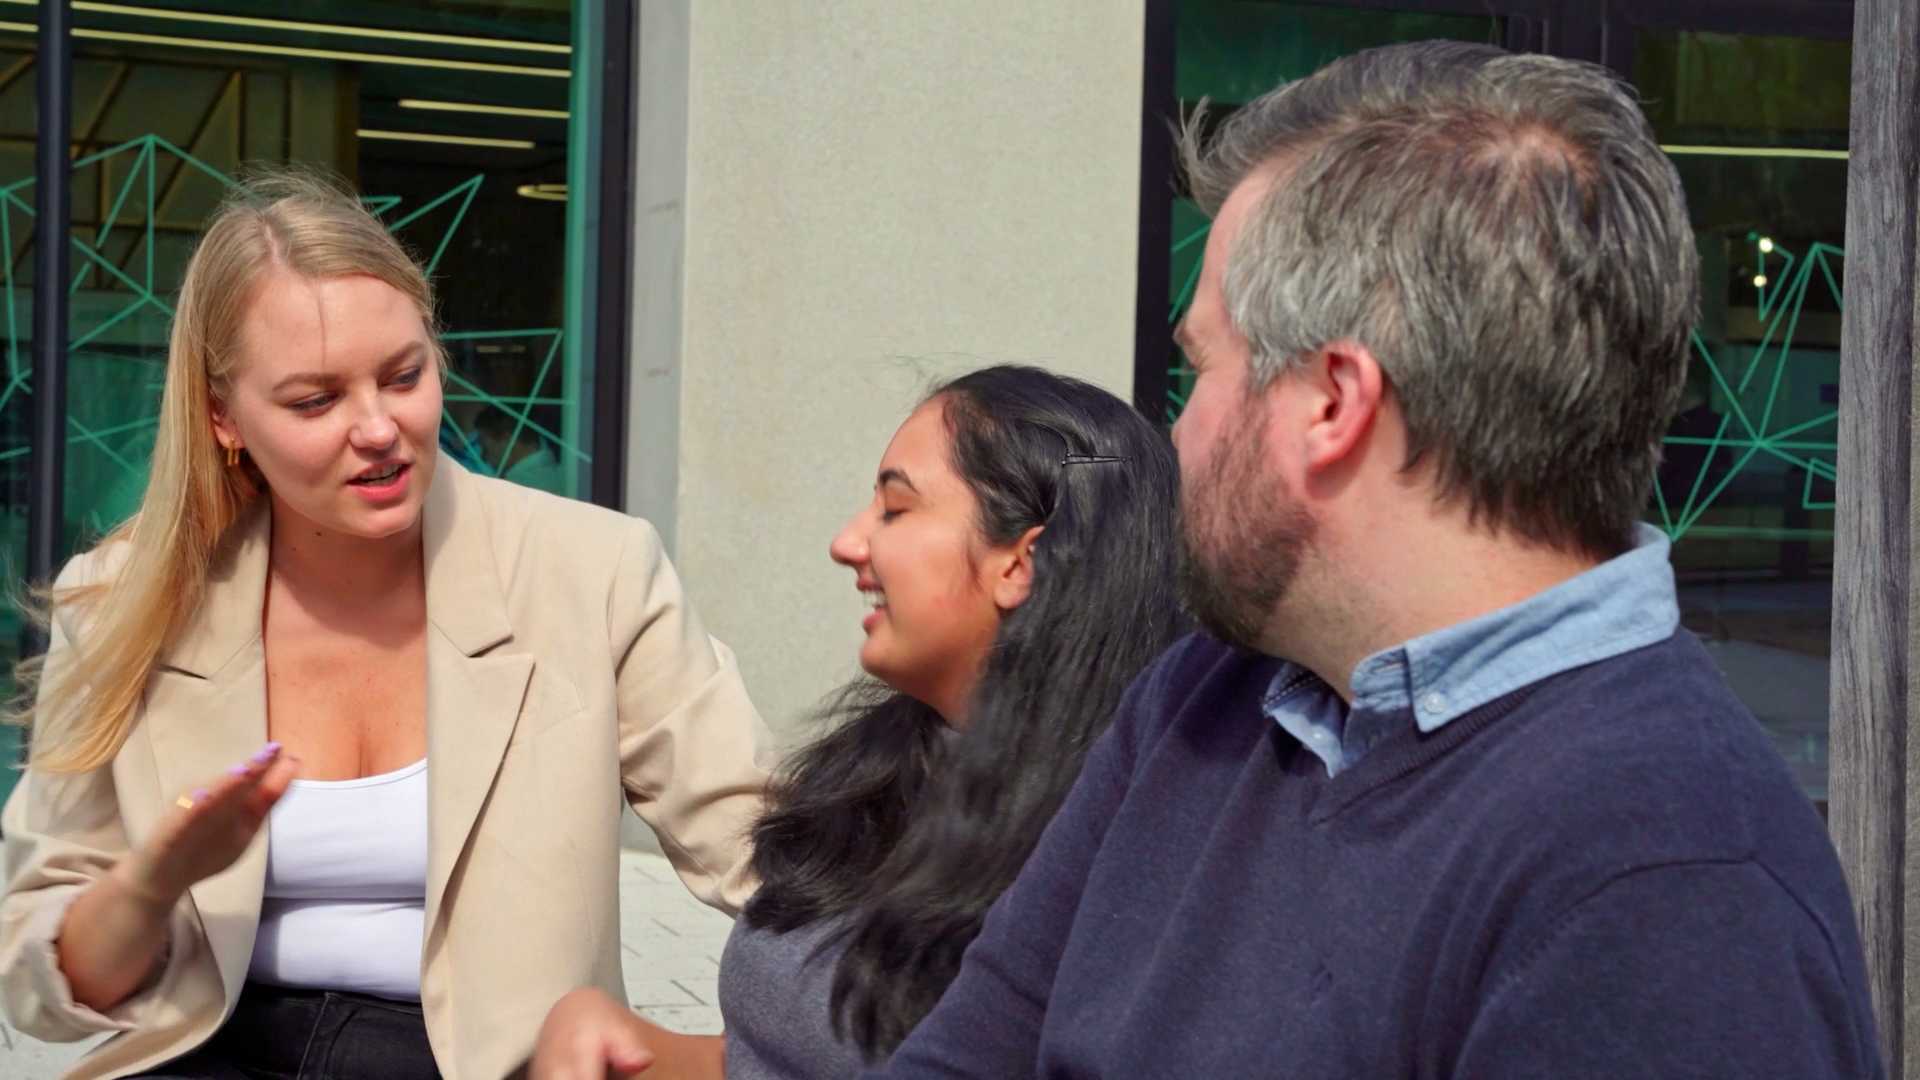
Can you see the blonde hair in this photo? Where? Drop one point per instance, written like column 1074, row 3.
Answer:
column 291, row 220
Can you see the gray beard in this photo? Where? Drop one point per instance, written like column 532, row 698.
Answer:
column 1234, row 568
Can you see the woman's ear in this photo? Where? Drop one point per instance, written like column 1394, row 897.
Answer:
column 224, row 431
column 1014, row 581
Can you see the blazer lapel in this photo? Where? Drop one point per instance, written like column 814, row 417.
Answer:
column 474, row 689
column 473, row 704
column 206, row 710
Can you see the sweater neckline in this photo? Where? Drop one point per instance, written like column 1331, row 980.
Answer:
column 1409, row 750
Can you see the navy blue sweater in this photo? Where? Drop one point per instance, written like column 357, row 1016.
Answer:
column 1609, row 874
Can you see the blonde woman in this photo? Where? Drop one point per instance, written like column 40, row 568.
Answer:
column 330, row 747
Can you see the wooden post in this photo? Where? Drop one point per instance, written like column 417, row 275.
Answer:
column 1872, row 786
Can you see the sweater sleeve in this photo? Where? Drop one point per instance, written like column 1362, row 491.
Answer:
column 988, row 1023
column 1686, row 969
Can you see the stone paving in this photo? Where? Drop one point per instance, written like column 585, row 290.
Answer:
column 672, row 963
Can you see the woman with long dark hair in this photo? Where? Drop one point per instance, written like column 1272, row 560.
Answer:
column 1019, row 553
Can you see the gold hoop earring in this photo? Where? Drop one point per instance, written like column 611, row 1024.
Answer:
column 233, row 456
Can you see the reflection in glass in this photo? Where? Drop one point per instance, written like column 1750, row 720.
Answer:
column 1758, row 129
column 452, row 121
column 1230, row 52
column 19, row 96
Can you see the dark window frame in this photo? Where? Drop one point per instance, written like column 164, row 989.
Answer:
column 53, row 190
column 613, row 339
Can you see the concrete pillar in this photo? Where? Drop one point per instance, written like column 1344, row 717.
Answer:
column 838, row 205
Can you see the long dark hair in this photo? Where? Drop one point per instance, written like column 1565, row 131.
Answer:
column 910, row 834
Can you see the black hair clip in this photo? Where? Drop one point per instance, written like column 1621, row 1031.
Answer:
column 1090, row 459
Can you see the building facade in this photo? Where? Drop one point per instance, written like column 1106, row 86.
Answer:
column 698, row 258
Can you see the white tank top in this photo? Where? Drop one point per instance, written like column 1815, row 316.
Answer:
column 345, row 902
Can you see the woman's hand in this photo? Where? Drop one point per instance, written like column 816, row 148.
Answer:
column 116, row 931
column 206, row 831
column 587, row 1036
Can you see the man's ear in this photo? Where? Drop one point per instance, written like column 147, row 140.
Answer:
column 1346, row 389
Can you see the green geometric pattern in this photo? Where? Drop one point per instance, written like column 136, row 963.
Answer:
column 1758, row 421
column 1186, row 250
column 113, row 327
column 1762, row 422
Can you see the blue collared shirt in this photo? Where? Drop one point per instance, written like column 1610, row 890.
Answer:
column 1623, row 604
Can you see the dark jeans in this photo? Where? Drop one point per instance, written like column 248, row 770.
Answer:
column 279, row 1034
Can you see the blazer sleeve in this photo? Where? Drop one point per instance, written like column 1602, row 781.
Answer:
column 693, row 750
column 61, row 833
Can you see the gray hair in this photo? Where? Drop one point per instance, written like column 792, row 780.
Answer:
column 1506, row 237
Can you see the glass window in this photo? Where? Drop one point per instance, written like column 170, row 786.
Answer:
column 1758, row 129
column 451, row 119
column 1232, row 51
column 1757, row 126
column 19, row 96
column 452, row 125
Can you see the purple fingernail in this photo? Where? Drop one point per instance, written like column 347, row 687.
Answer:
column 236, row 770
column 266, row 753
column 199, row 795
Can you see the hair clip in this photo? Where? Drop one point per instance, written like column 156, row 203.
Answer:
column 1090, row 459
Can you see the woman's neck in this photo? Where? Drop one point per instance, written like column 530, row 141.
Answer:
column 349, row 568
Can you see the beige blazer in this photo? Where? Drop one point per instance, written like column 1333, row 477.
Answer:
column 566, row 678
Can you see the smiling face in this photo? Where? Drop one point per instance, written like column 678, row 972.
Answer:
column 336, row 399
column 936, row 585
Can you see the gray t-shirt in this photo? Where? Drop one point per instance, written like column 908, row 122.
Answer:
column 774, row 998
